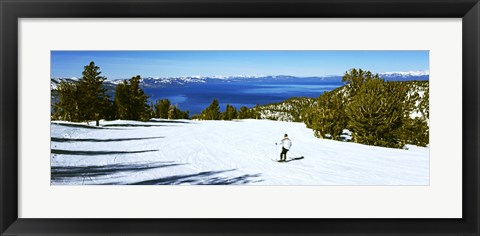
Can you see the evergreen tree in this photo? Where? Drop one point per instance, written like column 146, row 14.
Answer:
column 212, row 112
column 355, row 78
column 92, row 100
column 175, row 113
column 110, row 111
column 196, row 116
column 230, row 113
column 244, row 113
column 151, row 109
column 424, row 104
column 328, row 118
column 67, row 106
column 376, row 113
column 255, row 112
column 131, row 102
column 415, row 131
column 122, row 100
column 139, row 109
column 415, row 128
column 162, row 108
column 184, row 115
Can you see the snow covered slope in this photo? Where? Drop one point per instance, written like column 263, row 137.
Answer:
column 222, row 152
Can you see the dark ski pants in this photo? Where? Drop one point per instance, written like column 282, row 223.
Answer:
column 283, row 155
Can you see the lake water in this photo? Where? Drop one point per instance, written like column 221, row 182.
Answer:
column 197, row 96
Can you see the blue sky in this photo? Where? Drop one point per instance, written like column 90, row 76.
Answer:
column 125, row 64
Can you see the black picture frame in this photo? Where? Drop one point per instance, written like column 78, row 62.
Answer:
column 12, row 10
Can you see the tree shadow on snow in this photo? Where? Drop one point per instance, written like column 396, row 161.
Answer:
column 65, row 172
column 132, row 125
column 202, row 178
column 78, row 125
column 63, row 140
column 95, row 153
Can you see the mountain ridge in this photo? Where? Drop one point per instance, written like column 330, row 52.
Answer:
column 158, row 82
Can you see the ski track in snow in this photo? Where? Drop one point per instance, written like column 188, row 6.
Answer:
column 222, row 152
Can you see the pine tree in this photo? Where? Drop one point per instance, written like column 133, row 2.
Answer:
column 230, row 113
column 255, row 112
column 110, row 110
column 151, row 109
column 67, row 106
column 376, row 113
column 328, row 118
column 173, row 112
column 184, row 114
column 131, row 102
column 415, row 128
column 122, row 99
column 139, row 109
column 415, row 131
column 212, row 112
column 424, row 104
column 92, row 100
column 162, row 108
column 355, row 78
column 243, row 113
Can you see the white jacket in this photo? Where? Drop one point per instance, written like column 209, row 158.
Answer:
column 286, row 143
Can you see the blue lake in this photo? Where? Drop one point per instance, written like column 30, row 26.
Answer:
column 195, row 97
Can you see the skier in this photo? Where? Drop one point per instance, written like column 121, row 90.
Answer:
column 286, row 144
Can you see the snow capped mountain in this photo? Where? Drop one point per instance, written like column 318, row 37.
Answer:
column 55, row 81
column 162, row 82
column 406, row 75
column 234, row 76
column 159, row 82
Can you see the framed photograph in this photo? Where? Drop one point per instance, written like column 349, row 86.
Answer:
column 227, row 117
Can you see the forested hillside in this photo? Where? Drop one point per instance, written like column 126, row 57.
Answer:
column 292, row 109
column 377, row 112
